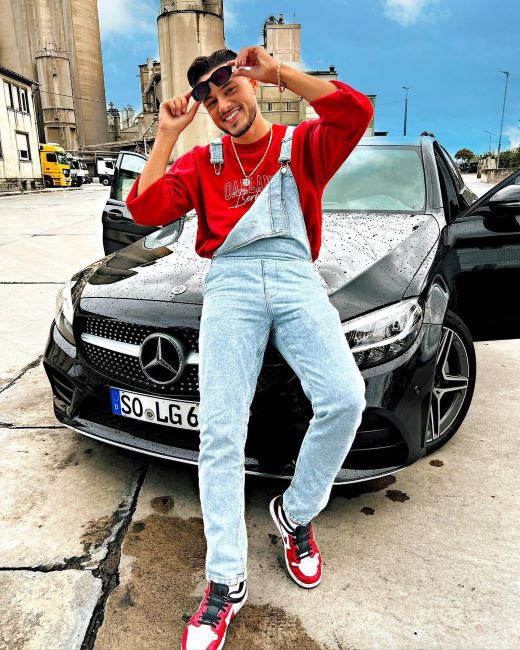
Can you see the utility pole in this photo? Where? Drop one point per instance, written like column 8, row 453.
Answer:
column 502, row 122
column 405, row 107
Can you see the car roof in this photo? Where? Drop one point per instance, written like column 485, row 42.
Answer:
column 416, row 141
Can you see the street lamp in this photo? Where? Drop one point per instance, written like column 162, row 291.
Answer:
column 405, row 106
column 502, row 122
column 489, row 146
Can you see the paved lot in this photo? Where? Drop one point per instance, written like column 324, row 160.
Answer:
column 476, row 185
column 101, row 548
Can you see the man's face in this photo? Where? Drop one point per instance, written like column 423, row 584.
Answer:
column 232, row 107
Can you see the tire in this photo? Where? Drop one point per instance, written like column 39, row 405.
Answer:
column 456, row 365
column 48, row 182
column 105, row 180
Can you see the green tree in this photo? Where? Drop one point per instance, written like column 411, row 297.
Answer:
column 510, row 158
column 465, row 154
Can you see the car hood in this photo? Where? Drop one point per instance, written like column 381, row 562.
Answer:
column 365, row 259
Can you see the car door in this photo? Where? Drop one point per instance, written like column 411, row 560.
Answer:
column 485, row 242
column 119, row 229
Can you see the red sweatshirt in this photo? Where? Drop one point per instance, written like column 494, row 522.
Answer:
column 319, row 148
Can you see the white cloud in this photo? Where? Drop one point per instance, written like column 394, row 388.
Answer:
column 406, row 12
column 127, row 18
column 231, row 14
column 513, row 133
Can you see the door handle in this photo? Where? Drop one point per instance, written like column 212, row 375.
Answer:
column 115, row 215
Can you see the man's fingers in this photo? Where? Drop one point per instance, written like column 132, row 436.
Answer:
column 249, row 56
column 194, row 108
column 241, row 73
column 188, row 94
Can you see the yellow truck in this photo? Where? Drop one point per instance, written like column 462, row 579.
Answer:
column 55, row 165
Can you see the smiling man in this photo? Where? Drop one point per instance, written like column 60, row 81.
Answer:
column 257, row 192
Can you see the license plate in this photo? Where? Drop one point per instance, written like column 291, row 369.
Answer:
column 158, row 410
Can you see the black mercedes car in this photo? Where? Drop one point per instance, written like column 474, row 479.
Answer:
column 415, row 264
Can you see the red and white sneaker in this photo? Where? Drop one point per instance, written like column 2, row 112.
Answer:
column 206, row 629
column 302, row 556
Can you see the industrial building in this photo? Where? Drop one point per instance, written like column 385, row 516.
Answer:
column 57, row 43
column 20, row 167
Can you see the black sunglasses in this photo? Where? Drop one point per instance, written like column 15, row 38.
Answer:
column 219, row 77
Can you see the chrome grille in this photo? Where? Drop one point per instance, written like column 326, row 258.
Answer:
column 120, row 367
column 136, row 334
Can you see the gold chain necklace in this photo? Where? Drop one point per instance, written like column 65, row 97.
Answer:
column 246, row 181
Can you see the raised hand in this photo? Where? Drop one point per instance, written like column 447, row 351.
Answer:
column 174, row 115
column 262, row 65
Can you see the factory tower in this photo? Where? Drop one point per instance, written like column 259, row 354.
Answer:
column 188, row 29
column 57, row 43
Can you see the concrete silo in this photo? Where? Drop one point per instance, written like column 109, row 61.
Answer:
column 57, row 43
column 188, row 29
column 84, row 43
column 53, row 67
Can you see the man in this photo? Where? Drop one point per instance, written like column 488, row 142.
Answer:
column 257, row 192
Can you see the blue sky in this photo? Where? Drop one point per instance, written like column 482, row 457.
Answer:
column 447, row 51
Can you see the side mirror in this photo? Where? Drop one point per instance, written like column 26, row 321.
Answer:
column 506, row 200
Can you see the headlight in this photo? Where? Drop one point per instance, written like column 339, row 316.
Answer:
column 384, row 334
column 65, row 312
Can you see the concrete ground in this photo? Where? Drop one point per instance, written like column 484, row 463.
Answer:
column 476, row 185
column 102, row 548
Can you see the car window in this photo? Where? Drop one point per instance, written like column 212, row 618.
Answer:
column 51, row 157
column 129, row 169
column 378, row 178
column 449, row 193
column 452, row 167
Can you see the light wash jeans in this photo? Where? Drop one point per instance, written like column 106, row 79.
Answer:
column 262, row 283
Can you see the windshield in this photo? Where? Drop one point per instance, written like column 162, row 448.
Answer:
column 378, row 178
column 62, row 158
column 82, row 165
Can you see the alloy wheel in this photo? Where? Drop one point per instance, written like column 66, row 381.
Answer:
column 450, row 386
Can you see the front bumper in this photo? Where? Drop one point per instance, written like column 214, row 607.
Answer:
column 390, row 437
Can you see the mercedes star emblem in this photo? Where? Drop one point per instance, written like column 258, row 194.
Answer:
column 161, row 358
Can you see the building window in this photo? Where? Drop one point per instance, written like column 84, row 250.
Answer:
column 25, row 102
column 22, row 142
column 8, row 90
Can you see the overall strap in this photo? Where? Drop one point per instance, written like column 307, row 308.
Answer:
column 285, row 151
column 216, row 155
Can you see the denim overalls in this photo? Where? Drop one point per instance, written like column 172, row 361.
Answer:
column 262, row 283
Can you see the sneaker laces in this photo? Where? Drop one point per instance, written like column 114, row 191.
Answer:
column 302, row 538
column 215, row 603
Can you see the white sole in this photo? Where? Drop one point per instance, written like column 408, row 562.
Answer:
column 299, row 582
